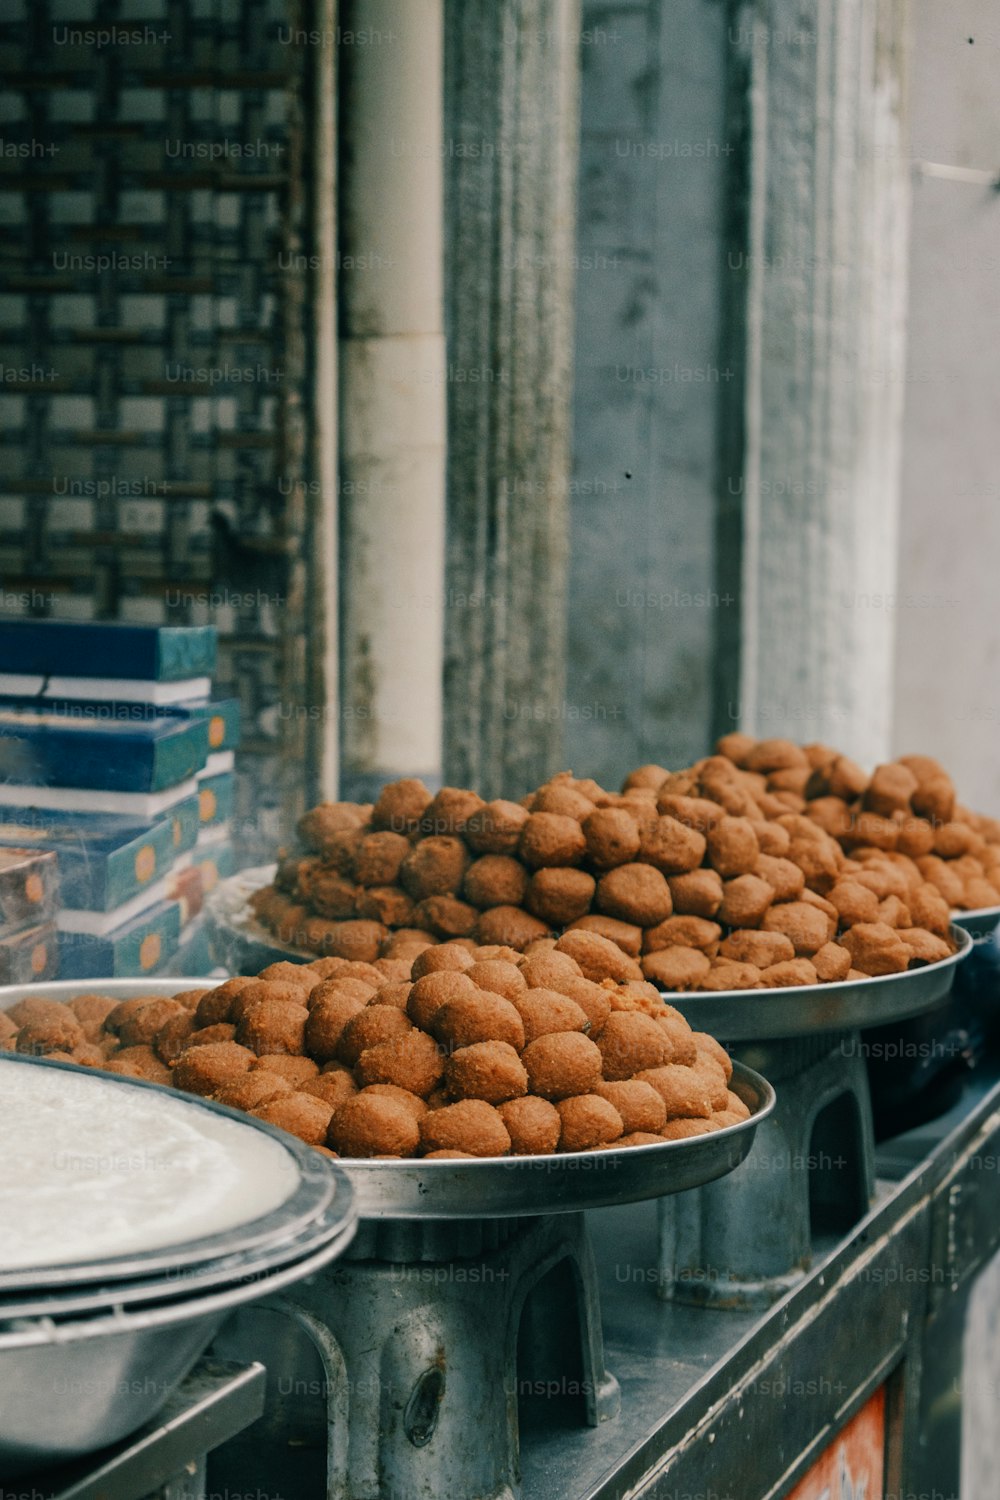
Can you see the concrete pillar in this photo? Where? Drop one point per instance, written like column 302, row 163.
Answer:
column 814, row 310
column 392, row 404
column 511, row 73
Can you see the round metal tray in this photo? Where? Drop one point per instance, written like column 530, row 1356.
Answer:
column 979, row 924
column 238, row 941
column 759, row 1015
column 319, row 1189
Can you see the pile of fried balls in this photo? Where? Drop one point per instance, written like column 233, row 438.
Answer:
column 767, row 864
column 461, row 1052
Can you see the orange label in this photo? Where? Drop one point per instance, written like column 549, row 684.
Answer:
column 39, row 958
column 149, row 951
column 33, row 888
column 854, row 1463
column 209, row 876
column 145, row 862
column 216, row 731
column 206, row 805
column 176, row 831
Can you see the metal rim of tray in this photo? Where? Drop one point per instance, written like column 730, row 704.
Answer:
column 802, row 1010
column 980, row 923
column 319, row 1188
column 234, row 926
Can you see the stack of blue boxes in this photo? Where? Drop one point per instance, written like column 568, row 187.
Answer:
column 114, row 754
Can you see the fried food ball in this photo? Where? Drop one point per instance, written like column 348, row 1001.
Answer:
column 638, row 1103
column 545, row 1011
column 386, row 904
column 684, row 1049
column 509, row 927
column 295, row 1070
column 625, row 935
column 831, row 962
column 631, row 1041
column 562, row 1064
column 412, row 1062
column 299, row 974
column 327, row 1019
column 612, row 837
column 204, row 1070
column 273, row 1026
column 786, row 879
column 471, row 1125
column 805, row 926
column 275, row 991
column 396, row 992
column 774, row 755
column 379, row 856
column 670, row 846
column 374, row 1024
column 87, row 1055
column 645, row 776
column 890, row 790
column 978, row 892
column 496, row 827
column 453, row 957
column 934, row 799
column 793, row 779
column 358, row 940
column 449, row 812
column 8, row 1031
column 486, row 1070
column 726, row 974
column 676, row 969
column 597, row 957
column 251, row 1090
column 412, row 1102
column 593, row 999
column 495, row 880
column 698, row 893
column 735, row 746
column 373, row 1125
column 142, row 1062
column 936, row 872
column 846, row 779
column 819, row 861
column 483, row 1017
column 434, row 867
column 869, row 830
column 736, row 1106
column 915, row 836
column 759, row 948
column 694, row 812
column 685, row 932
column 732, row 846
column 431, row 991
column 550, row 970
column 499, row 977
column 746, row 899
column 559, row 895
column 322, row 823
column 635, row 893
column 551, row 839
column 930, row 910
column 446, row 916
column 894, row 912
column 332, row 896
column 113, row 1023
column 334, row 1088
column 400, row 806
column 715, row 1050
column 343, row 987
column 684, row 1090
column 301, row 1115
column 57, row 1034
column 588, row 1120
column 715, row 1079
column 533, row 1124
column 929, row 947
column 560, row 796
column 784, row 976
column 224, row 1031
column 876, row 948
column 854, row 902
column 91, row 1011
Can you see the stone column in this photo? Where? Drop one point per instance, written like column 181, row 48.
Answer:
column 511, row 76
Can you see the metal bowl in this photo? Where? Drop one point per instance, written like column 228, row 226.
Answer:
column 981, row 923
column 759, row 1015
column 238, row 941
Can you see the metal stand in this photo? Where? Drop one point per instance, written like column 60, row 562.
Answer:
column 810, row 1175
column 430, row 1331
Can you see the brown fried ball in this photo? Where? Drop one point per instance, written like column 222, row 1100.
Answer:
column 214, row 1005
column 682, row 1128
column 273, row 1026
column 533, row 1124
column 698, row 893
column 588, row 1120
column 715, row 1079
column 638, row 1103
column 295, row 1070
column 446, row 916
column 334, row 1088
column 805, row 926
column 495, row 880
column 57, row 1034
column 876, row 948
column 223, row 1032
column 726, row 974
column 560, row 796
column 735, row 746
column 8, row 1031
column 544, row 1011
column 645, row 776
column 759, row 948
column 359, row 940
column 894, row 913
column 252, row 1089
column 854, row 902
column 676, row 969
column 299, row 974
column 471, row 1125
column 559, row 895
column 204, row 1070
column 784, row 976
column 890, row 790
column 333, row 897
column 446, row 956
column 785, row 878
column 732, row 846
column 374, row 1024
column 936, row 872
column 412, row 1062
column 276, row 991
column 934, row 799
column 597, row 957
column 593, row 999
column 685, row 932
column 831, row 962
column 550, row 969
column 401, row 805
column 551, row 839
column 142, row 1062
column 746, row 899
column 612, row 836
column 373, row 1125
column 715, row 1050
column 91, row 1011
column 343, row 987
column 379, row 856
column 327, row 1020
column 927, row 946
column 483, row 1017
column 929, row 909
column 670, row 846
column 449, row 812
column 625, row 935
column 694, row 812
column 386, row 904
column 396, row 992
column 562, row 1064
column 683, row 1090
column 412, row 1102
column 486, row 1070
column 302, row 1115
column 431, row 991
column 496, row 827
column 630, row 1042
column 499, row 977
column 774, row 755
column 510, row 927
column 635, row 893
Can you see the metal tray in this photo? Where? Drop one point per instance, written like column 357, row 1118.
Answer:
column 238, row 941
column 68, row 1388
column 979, row 924
column 759, row 1015
column 318, row 1189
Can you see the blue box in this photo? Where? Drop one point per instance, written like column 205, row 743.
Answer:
column 139, row 947
column 103, row 861
column 39, row 748
column 108, row 649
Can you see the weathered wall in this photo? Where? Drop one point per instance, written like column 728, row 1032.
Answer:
column 947, row 697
